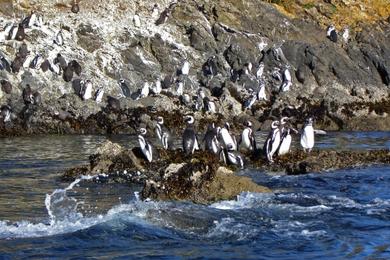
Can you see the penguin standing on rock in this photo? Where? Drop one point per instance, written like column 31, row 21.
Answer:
column 5, row 113
column 331, row 33
column 272, row 142
column 125, row 89
column 211, row 139
column 99, row 95
column 190, row 140
column 163, row 133
column 145, row 145
column 307, row 135
column 247, row 137
column 4, row 64
column 227, row 138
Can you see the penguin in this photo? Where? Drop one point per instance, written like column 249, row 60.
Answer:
column 210, row 139
column 45, row 65
column 190, row 140
column 36, row 62
column 17, row 63
column 155, row 11
column 145, row 90
column 5, row 112
column 87, row 90
column 99, row 95
column 307, row 135
column 23, row 51
column 185, row 69
column 156, row 87
column 232, row 157
column 113, row 103
column 68, row 73
column 331, row 33
column 272, row 142
column 56, row 69
column 5, row 35
column 209, row 105
column 247, row 70
column 199, row 101
column 13, row 30
column 180, row 88
column 4, row 64
column 185, row 100
column 250, row 101
column 163, row 134
column 345, row 35
column 27, row 95
column 163, row 17
column 136, row 20
column 20, row 34
column 227, row 138
column 248, row 141
column 37, row 98
column 210, row 67
column 125, row 89
column 285, row 142
column 286, row 80
column 145, row 145
column 78, row 85
column 59, row 38
column 29, row 21
column 76, row 67
column 59, row 59
column 6, row 86
column 261, row 95
column 75, row 7
column 260, row 70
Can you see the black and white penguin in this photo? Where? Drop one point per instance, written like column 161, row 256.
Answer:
column 145, row 145
column 272, row 142
column 260, row 71
column 5, row 113
column 27, row 95
column 155, row 11
column 99, row 95
column 230, row 156
column 163, row 16
column 78, row 85
column 190, row 140
column 248, row 141
column 59, row 38
column 307, row 135
column 20, row 34
column 75, row 7
column 210, row 139
column 209, row 104
column 156, row 87
column 145, row 90
column 185, row 100
column 163, row 134
column 250, row 101
column 185, row 69
column 287, row 80
column 6, row 86
column 210, row 67
column 125, row 89
column 261, row 93
column 4, row 64
column 86, row 90
column 226, row 138
column 285, row 142
column 331, row 33
column 36, row 62
column 136, row 20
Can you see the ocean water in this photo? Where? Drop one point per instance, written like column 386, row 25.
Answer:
column 331, row 215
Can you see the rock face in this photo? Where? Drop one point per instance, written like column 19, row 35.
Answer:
column 344, row 84
column 201, row 178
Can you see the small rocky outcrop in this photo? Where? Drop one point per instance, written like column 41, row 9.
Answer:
column 202, row 178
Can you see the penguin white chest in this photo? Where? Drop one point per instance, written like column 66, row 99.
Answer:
column 227, row 138
column 285, row 145
column 307, row 138
column 245, row 137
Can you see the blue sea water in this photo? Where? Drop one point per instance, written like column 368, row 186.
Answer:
column 331, row 215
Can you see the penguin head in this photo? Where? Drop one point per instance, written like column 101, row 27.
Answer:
column 309, row 121
column 189, row 119
column 160, row 120
column 227, row 126
column 284, row 120
column 275, row 124
column 248, row 124
column 142, row 131
column 229, row 147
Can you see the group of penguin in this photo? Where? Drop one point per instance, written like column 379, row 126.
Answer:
column 219, row 140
